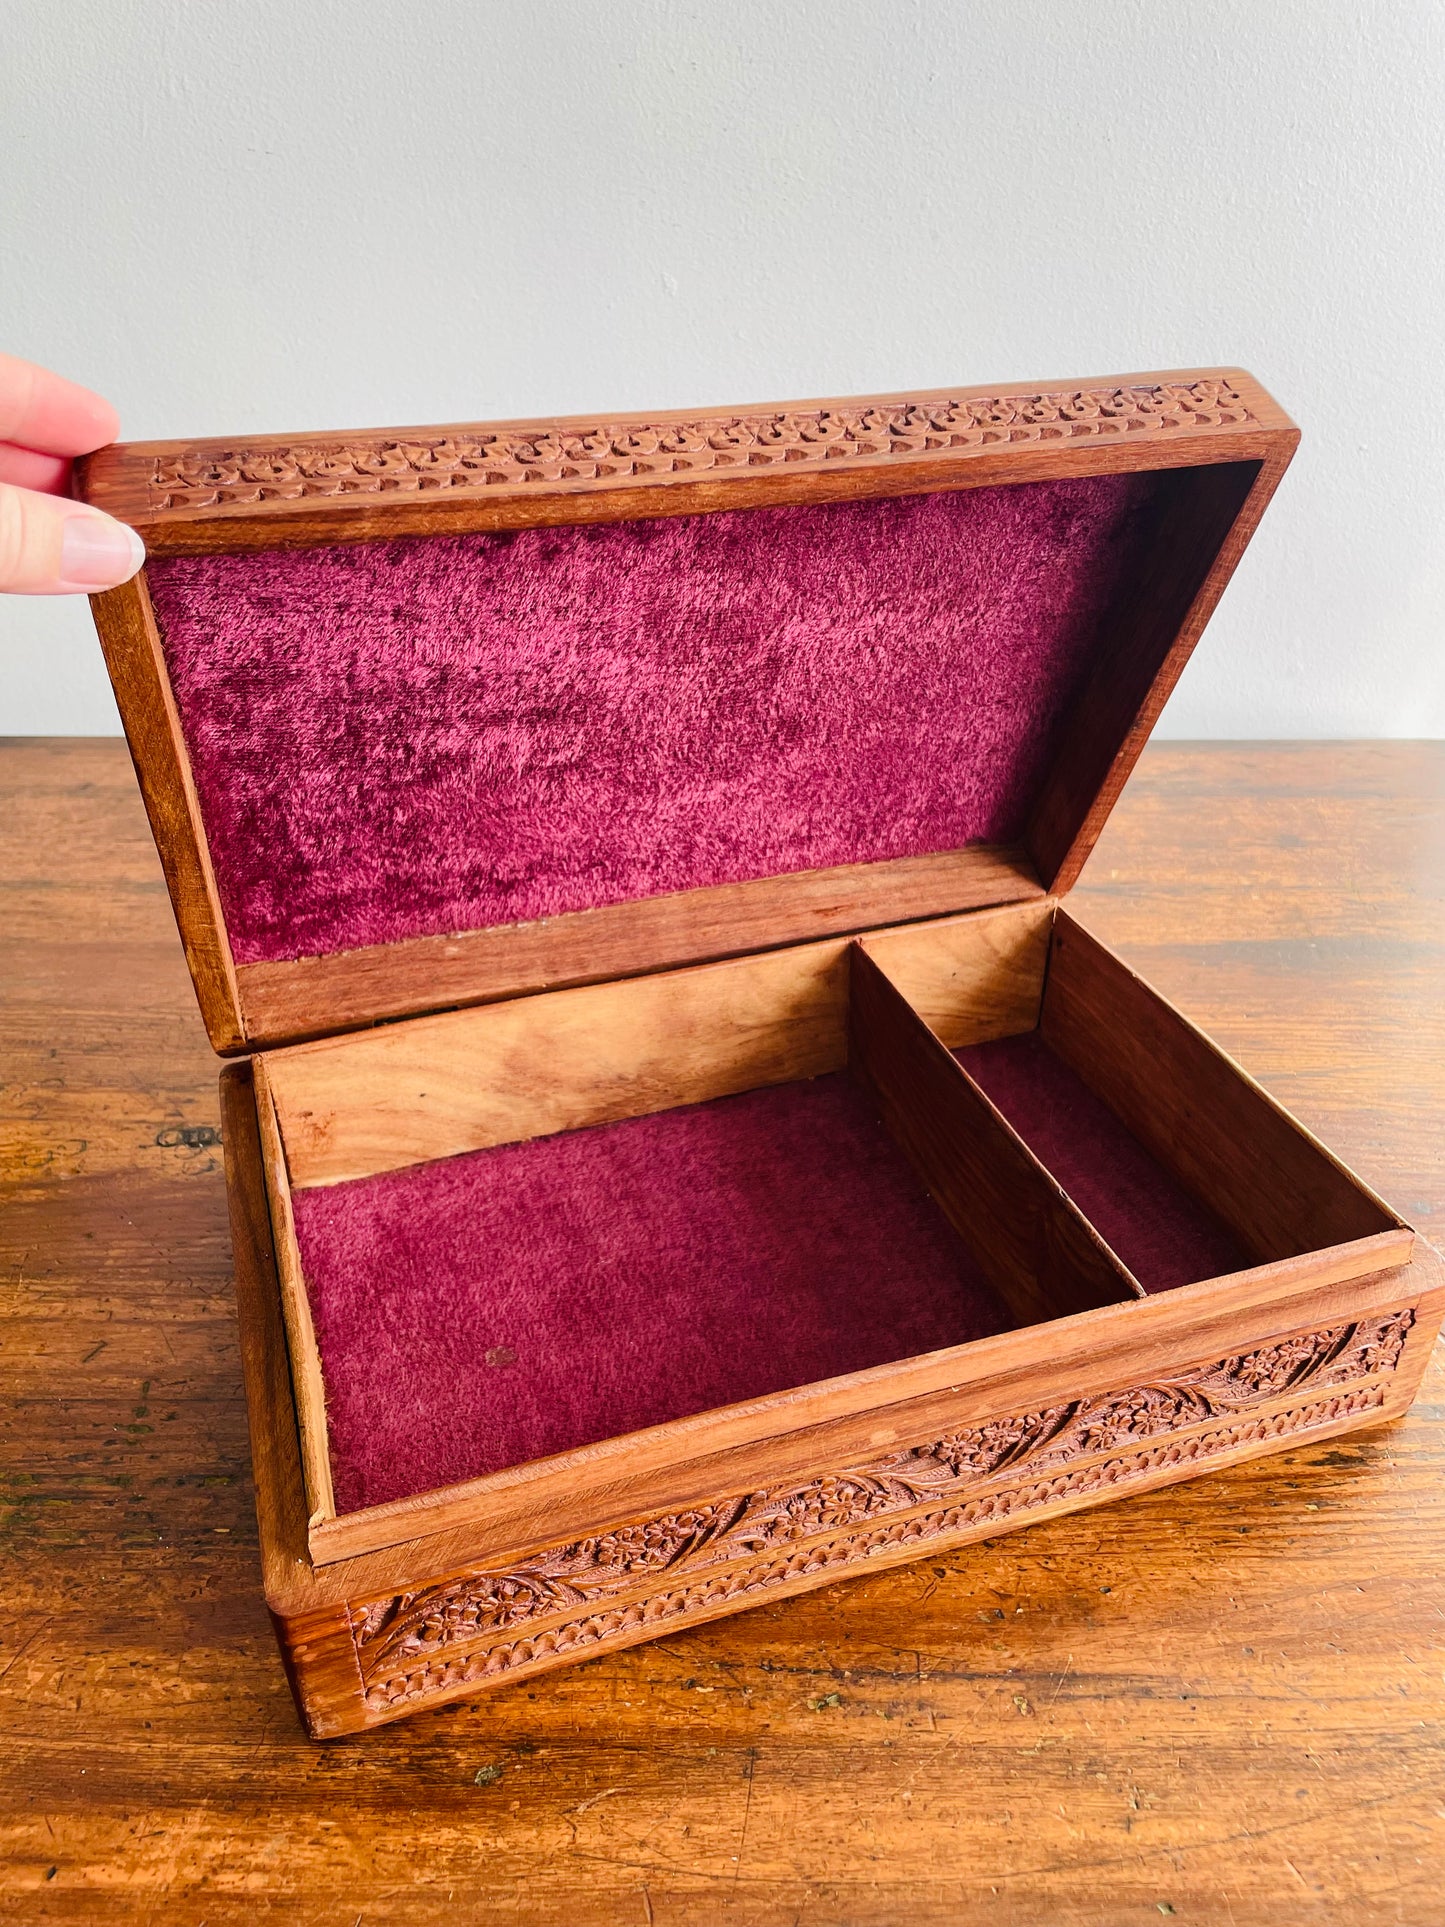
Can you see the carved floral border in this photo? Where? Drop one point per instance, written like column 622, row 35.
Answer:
column 481, row 460
column 442, row 1674
column 405, row 1642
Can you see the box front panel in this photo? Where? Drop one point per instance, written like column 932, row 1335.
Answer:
column 489, row 1626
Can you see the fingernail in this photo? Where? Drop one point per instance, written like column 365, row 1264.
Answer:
column 97, row 553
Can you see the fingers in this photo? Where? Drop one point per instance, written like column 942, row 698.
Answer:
column 44, row 411
column 28, row 469
column 50, row 546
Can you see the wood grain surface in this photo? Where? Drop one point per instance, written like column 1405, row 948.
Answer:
column 347, row 989
column 400, row 1094
column 1217, row 1703
column 1279, row 1189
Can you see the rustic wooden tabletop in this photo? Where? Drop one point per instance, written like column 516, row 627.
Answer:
column 1221, row 1702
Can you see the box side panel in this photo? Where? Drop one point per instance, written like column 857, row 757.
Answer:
column 126, row 625
column 351, row 1107
column 307, row 1389
column 970, row 978
column 1199, row 1113
column 1207, row 525
column 313, row 1631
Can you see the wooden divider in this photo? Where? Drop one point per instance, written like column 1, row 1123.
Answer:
column 1041, row 1253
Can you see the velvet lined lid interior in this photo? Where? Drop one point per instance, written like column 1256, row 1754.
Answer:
column 428, row 735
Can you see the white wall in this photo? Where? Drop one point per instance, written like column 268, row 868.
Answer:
column 292, row 214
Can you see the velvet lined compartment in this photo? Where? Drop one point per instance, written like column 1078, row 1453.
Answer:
column 1163, row 1234
column 429, row 735
column 503, row 1305
column 499, row 1306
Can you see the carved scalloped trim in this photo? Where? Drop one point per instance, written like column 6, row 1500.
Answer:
column 397, row 1635
column 480, row 461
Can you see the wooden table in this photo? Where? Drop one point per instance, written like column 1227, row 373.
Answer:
column 1221, row 1702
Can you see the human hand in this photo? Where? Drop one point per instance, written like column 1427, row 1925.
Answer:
column 50, row 545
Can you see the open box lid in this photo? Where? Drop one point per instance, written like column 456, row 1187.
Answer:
column 428, row 717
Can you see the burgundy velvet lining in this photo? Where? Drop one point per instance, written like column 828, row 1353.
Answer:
column 1163, row 1234
column 488, row 1309
column 398, row 738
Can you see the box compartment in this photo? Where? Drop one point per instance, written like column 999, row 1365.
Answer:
column 524, row 1230
column 534, row 1298
column 1183, row 1165
column 520, row 1233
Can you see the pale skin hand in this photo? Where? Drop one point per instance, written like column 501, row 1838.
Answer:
column 50, row 545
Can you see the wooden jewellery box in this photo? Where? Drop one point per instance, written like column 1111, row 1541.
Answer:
column 681, row 1150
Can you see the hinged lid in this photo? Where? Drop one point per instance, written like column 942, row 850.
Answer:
column 424, row 717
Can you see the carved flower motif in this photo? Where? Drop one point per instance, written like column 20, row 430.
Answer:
column 731, row 435
column 591, row 446
column 678, row 439
column 634, row 442
column 385, row 459
column 413, row 1681
column 398, row 1638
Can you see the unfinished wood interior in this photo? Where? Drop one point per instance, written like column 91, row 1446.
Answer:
column 1185, row 1167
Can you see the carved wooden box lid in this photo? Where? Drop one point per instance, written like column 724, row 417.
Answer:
column 430, row 716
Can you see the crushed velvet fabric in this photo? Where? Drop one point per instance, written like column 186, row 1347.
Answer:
column 488, row 1309
column 421, row 736
column 1163, row 1234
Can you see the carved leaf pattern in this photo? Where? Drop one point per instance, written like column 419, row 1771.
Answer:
column 485, row 460
column 447, row 1673
column 393, row 1635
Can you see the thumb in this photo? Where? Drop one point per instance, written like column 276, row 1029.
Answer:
column 50, row 546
